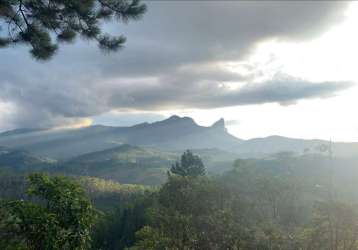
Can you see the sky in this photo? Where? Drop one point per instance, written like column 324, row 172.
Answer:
column 268, row 68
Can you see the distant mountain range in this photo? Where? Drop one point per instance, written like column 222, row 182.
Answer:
column 174, row 134
column 142, row 154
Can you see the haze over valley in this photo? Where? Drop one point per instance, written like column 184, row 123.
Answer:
column 178, row 125
column 172, row 134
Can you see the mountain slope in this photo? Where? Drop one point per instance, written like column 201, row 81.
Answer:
column 139, row 165
column 174, row 133
column 20, row 160
column 125, row 164
column 19, row 131
column 260, row 147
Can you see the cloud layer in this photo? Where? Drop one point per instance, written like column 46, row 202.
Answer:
column 174, row 59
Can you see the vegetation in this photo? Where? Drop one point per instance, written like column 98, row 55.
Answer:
column 259, row 204
column 36, row 22
column 60, row 219
column 189, row 165
column 106, row 195
column 124, row 164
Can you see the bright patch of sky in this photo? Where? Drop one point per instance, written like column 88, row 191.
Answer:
column 331, row 57
column 252, row 63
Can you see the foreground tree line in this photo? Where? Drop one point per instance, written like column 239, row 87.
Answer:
column 246, row 208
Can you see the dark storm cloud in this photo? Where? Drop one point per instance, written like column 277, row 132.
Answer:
column 171, row 60
column 207, row 94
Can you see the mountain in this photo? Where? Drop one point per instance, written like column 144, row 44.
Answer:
column 20, row 131
column 263, row 147
column 173, row 134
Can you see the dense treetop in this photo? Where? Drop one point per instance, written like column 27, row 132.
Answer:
column 61, row 217
column 189, row 165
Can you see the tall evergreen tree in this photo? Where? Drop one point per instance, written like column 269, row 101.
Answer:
column 189, row 165
column 42, row 24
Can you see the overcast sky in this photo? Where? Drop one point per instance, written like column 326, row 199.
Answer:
column 283, row 68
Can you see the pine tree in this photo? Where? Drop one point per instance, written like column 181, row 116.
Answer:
column 189, row 165
column 43, row 24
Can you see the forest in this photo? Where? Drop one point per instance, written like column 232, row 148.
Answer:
column 251, row 206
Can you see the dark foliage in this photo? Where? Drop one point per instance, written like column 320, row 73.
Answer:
column 43, row 24
column 259, row 204
column 189, row 165
column 60, row 219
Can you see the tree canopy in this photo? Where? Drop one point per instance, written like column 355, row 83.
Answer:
column 270, row 204
column 60, row 219
column 43, row 24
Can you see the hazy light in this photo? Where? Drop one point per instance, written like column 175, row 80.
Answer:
column 331, row 57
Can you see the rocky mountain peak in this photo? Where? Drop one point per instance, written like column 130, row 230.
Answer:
column 219, row 125
column 178, row 120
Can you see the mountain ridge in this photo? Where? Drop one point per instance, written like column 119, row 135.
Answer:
column 174, row 133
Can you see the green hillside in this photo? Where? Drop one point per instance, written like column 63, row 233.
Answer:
column 20, row 160
column 125, row 164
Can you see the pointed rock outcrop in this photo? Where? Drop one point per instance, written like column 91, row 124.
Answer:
column 219, row 125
